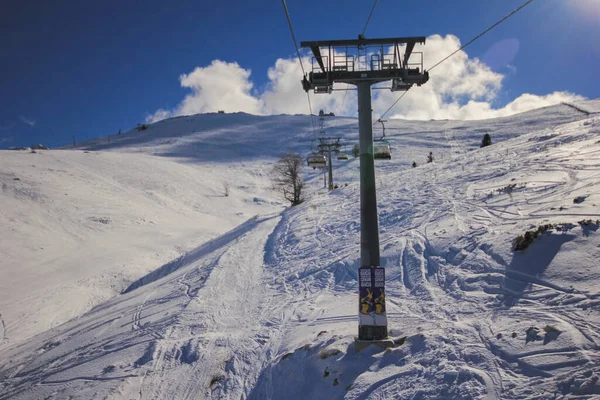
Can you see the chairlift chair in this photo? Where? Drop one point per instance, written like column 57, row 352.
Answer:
column 342, row 156
column 382, row 149
column 316, row 160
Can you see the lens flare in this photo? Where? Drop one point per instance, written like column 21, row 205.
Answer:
column 588, row 9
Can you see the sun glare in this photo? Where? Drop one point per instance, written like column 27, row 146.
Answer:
column 589, row 9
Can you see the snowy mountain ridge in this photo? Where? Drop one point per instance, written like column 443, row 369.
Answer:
column 268, row 308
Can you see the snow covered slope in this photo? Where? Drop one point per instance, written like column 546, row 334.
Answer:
column 268, row 309
column 77, row 227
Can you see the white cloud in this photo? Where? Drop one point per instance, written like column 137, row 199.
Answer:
column 460, row 88
column 29, row 122
column 220, row 86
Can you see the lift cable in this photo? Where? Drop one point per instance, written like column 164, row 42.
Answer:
column 369, row 19
column 287, row 14
column 465, row 45
column 392, row 106
column 484, row 32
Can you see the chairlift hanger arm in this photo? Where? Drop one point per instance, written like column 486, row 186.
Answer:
column 383, row 125
column 317, row 52
column 409, row 49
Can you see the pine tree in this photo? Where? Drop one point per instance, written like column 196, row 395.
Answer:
column 414, row 164
column 486, row 141
column 356, row 150
column 430, row 157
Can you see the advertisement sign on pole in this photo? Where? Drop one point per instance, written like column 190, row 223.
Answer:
column 371, row 306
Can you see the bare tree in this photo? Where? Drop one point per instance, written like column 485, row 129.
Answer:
column 287, row 177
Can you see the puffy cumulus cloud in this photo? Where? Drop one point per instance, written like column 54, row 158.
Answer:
column 463, row 88
column 159, row 115
column 220, row 86
column 460, row 88
column 284, row 92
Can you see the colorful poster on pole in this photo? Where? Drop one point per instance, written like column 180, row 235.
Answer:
column 371, row 301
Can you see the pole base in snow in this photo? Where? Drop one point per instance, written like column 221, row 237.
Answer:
column 363, row 344
column 372, row 332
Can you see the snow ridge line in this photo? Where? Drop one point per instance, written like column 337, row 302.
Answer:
column 194, row 255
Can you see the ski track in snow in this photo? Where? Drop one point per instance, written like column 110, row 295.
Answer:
column 271, row 305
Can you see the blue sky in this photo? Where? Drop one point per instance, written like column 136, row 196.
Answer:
column 91, row 68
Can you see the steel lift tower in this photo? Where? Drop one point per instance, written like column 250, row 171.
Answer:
column 330, row 145
column 364, row 62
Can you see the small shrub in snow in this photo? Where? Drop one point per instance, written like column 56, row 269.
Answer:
column 356, row 151
column 523, row 241
column 108, row 369
column 486, row 141
column 588, row 222
column 216, row 379
column 336, row 382
column 508, row 189
column 326, row 354
column 533, row 334
column 141, row 127
column 414, row 164
column 325, row 373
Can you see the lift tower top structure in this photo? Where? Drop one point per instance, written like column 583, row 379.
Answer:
column 364, row 62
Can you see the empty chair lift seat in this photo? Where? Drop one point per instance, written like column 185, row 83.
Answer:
column 382, row 151
column 316, row 160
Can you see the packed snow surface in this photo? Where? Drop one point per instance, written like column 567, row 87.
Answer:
column 127, row 273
